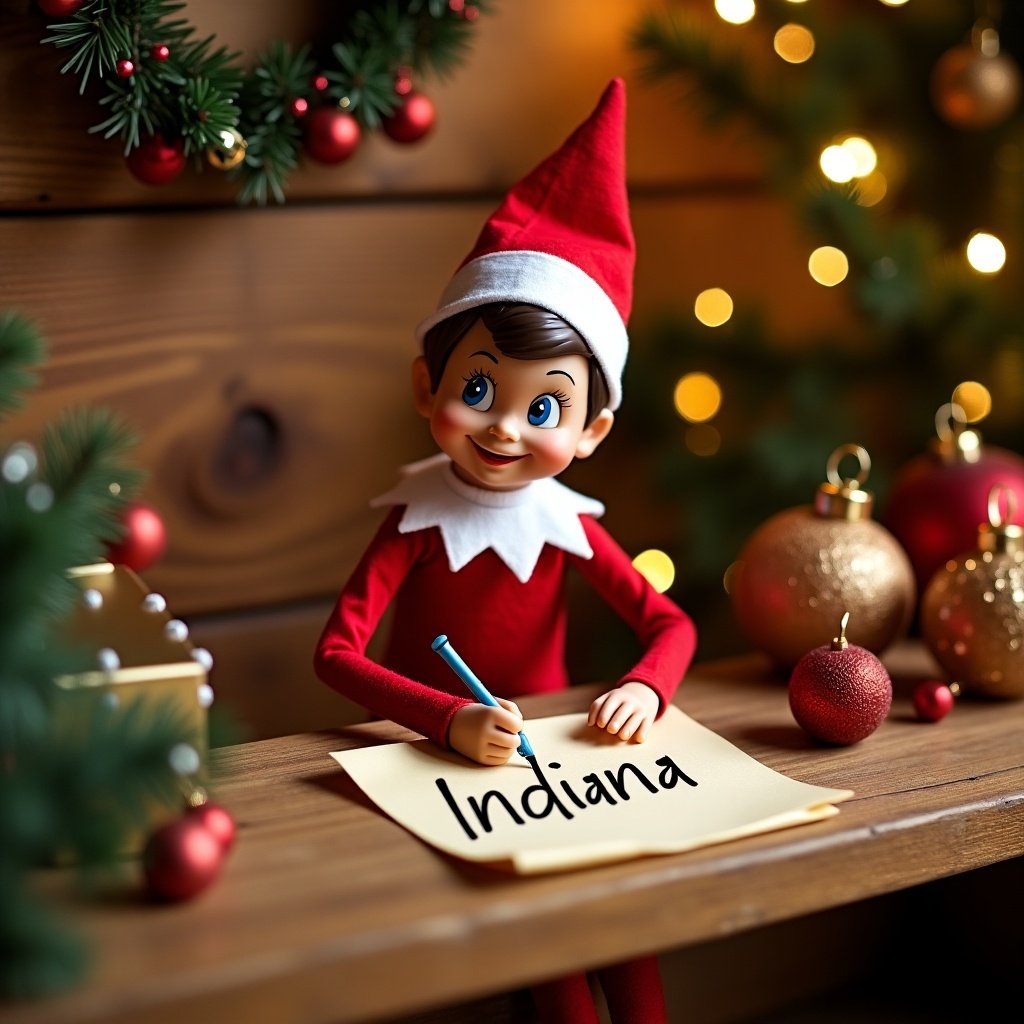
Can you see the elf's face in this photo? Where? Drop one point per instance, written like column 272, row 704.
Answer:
column 505, row 422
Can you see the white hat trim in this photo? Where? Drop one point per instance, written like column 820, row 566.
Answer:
column 551, row 283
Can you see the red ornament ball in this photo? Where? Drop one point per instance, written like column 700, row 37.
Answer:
column 412, row 119
column 181, row 859
column 125, row 68
column 933, row 700
column 217, row 821
column 160, row 52
column 840, row 693
column 60, row 8
column 156, row 162
column 144, row 540
column 332, row 135
column 939, row 497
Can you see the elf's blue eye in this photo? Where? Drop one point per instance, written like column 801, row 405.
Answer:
column 479, row 392
column 544, row 411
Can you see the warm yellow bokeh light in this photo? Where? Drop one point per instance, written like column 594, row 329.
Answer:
column 871, row 188
column 794, row 43
column 837, row 164
column 985, row 253
column 828, row 265
column 655, row 567
column 894, row 3
column 974, row 399
column 736, row 12
column 865, row 159
column 703, row 439
column 697, row 397
column 713, row 307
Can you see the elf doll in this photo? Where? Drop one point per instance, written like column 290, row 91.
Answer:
column 519, row 373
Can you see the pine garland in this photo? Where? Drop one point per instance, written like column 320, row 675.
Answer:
column 69, row 785
column 159, row 80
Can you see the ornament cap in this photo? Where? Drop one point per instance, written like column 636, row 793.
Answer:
column 956, row 442
column 998, row 535
column 840, row 643
column 845, row 498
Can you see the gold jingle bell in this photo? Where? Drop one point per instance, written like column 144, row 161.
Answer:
column 804, row 567
column 972, row 611
column 231, row 151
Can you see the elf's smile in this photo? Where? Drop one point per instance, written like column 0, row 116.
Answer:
column 493, row 458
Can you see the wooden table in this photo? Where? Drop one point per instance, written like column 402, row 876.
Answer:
column 328, row 911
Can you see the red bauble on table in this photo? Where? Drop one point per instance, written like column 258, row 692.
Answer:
column 840, row 693
column 217, row 821
column 412, row 119
column 144, row 540
column 155, row 161
column 933, row 700
column 332, row 135
column 938, row 498
column 181, row 859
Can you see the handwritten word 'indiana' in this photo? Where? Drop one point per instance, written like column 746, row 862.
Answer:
column 540, row 800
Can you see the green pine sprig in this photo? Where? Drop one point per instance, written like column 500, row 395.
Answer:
column 77, row 776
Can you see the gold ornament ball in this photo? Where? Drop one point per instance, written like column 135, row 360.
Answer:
column 972, row 90
column 799, row 572
column 972, row 619
column 230, row 153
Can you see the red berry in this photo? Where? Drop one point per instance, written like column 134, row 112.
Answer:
column 933, row 700
column 160, row 51
column 125, row 68
column 300, row 106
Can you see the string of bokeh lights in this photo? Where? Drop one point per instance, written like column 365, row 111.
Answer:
column 698, row 395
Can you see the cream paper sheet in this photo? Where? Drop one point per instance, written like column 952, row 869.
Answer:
column 596, row 799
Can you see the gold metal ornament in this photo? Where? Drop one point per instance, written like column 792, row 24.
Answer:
column 803, row 568
column 231, row 151
column 973, row 85
column 972, row 611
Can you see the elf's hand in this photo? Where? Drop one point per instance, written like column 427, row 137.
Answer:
column 626, row 712
column 485, row 734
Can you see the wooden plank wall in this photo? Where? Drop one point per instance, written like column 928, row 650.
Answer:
column 263, row 354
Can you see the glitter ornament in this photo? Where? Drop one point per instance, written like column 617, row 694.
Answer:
column 802, row 568
column 840, row 693
column 972, row 611
column 938, row 498
column 973, row 85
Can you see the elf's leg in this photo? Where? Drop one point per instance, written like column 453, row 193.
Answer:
column 633, row 992
column 565, row 1001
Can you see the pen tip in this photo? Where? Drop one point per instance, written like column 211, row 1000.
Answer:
column 439, row 642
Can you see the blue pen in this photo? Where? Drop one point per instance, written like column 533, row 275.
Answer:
column 466, row 674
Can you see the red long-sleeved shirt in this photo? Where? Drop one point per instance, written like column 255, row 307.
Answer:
column 511, row 634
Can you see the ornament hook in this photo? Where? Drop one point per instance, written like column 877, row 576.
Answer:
column 995, row 516
column 836, row 458
column 943, row 415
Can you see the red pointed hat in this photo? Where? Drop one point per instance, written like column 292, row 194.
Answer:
column 561, row 239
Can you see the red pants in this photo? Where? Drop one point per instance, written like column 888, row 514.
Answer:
column 632, row 991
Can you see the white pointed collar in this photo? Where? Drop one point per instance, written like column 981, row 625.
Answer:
column 514, row 524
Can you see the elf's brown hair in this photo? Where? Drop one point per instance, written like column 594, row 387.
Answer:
column 520, row 331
